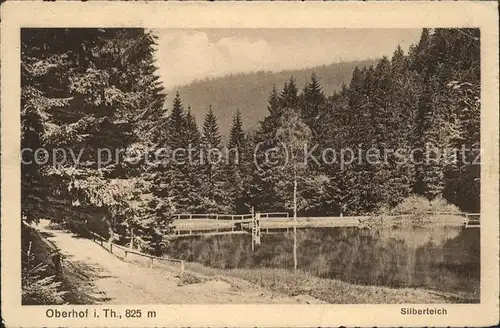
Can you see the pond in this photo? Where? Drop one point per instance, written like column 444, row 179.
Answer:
column 439, row 258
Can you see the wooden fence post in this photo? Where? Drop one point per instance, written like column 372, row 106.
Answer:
column 111, row 248
column 151, row 263
column 182, row 267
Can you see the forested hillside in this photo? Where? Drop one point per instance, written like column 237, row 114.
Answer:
column 247, row 92
column 85, row 90
column 403, row 107
column 416, row 110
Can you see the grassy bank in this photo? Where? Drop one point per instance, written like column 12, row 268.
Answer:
column 331, row 290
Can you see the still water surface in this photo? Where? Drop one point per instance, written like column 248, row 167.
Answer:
column 440, row 258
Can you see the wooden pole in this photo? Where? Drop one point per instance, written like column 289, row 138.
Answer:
column 253, row 234
column 257, row 228
column 131, row 238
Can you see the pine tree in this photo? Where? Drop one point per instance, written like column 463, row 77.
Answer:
column 403, row 100
column 313, row 113
column 152, row 91
column 362, row 196
column 431, row 115
column 192, row 132
column 193, row 177
column 236, row 135
column 85, row 90
column 237, row 165
column 289, row 97
column 262, row 180
column 176, row 124
column 336, row 129
column 417, row 53
column 211, row 137
column 170, row 178
column 459, row 75
column 214, row 197
column 32, row 199
column 274, row 102
column 313, row 103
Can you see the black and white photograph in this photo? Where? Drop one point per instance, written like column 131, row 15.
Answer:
column 240, row 166
column 253, row 165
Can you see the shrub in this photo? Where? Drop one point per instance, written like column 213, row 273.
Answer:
column 418, row 208
column 190, row 278
column 38, row 288
column 418, row 204
column 439, row 204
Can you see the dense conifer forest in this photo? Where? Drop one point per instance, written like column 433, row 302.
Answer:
column 86, row 90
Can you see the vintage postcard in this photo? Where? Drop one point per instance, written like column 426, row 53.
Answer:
column 249, row 164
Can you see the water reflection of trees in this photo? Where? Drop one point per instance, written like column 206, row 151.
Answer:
column 438, row 258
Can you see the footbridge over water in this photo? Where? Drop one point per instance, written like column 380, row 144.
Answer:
column 186, row 225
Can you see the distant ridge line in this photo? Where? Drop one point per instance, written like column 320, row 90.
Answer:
column 249, row 92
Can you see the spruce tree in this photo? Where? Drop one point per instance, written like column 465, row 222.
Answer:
column 289, row 97
column 237, row 165
column 262, row 180
column 192, row 132
column 274, row 102
column 170, row 177
column 313, row 103
column 193, row 176
column 176, row 124
column 236, row 135
column 87, row 88
column 214, row 197
column 336, row 128
column 211, row 137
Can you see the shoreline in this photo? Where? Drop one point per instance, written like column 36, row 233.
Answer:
column 332, row 291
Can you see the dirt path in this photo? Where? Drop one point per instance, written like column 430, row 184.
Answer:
column 106, row 279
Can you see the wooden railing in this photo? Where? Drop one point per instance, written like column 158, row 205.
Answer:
column 212, row 216
column 473, row 216
column 274, row 215
column 239, row 217
column 102, row 241
column 205, row 224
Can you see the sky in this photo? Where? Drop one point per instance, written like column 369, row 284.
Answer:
column 185, row 55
